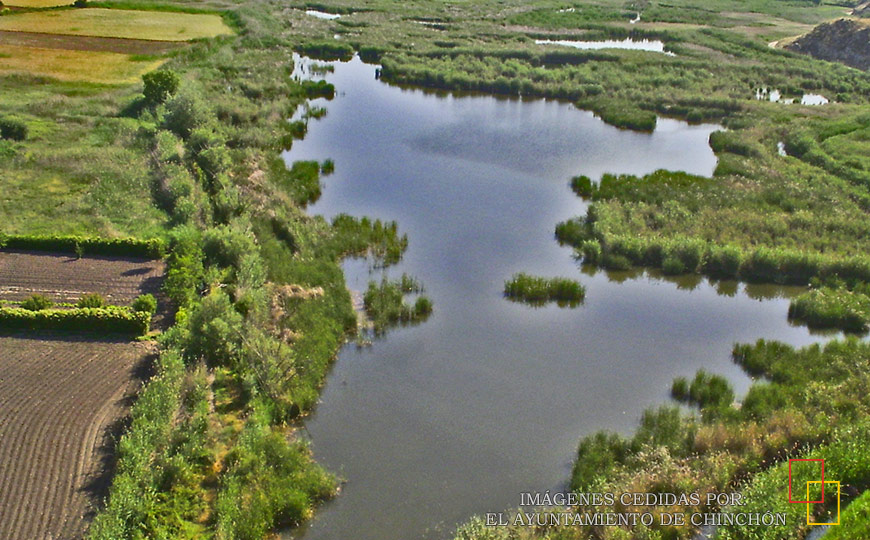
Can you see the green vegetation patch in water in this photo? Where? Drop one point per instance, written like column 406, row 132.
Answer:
column 537, row 291
column 385, row 303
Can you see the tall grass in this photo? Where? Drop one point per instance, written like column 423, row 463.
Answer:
column 385, row 303
column 832, row 308
column 538, row 290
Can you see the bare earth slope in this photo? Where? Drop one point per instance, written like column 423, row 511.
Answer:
column 846, row 41
column 60, row 397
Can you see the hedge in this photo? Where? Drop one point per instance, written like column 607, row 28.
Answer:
column 109, row 319
column 151, row 248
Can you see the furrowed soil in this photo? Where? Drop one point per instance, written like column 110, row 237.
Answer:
column 63, row 278
column 62, row 403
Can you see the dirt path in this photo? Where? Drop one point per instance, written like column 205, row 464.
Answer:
column 61, row 399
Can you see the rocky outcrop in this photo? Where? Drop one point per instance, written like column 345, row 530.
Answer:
column 845, row 40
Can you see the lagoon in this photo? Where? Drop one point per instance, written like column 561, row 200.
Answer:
column 488, row 398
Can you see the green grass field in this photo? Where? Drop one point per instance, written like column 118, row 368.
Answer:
column 118, row 23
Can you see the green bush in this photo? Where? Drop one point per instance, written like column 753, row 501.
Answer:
column 327, row 167
column 145, row 303
column 832, row 308
column 37, row 302
column 597, row 456
column 92, row 300
column 160, row 85
column 583, row 186
column 12, row 129
column 185, row 112
column 215, row 330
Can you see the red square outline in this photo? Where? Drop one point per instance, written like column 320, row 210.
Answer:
column 823, row 482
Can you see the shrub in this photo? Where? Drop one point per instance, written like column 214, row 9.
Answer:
column 37, row 302
column 215, row 330
column 723, row 261
column 673, row 266
column 612, row 261
column 710, row 390
column 583, row 186
column 12, row 129
column 327, row 167
column 80, row 3
column 680, row 389
column 573, row 232
column 185, row 112
column 145, row 303
column 160, row 85
column 92, row 300
column 597, row 456
column 590, row 250
column 832, row 308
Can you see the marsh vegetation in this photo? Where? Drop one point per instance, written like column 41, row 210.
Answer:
column 538, row 291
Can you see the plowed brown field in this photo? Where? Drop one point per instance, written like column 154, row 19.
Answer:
column 61, row 399
column 64, row 278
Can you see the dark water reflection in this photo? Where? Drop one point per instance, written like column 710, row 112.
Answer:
column 489, row 397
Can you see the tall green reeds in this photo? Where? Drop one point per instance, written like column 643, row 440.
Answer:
column 538, row 290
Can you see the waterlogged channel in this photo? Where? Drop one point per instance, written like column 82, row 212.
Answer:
column 488, row 398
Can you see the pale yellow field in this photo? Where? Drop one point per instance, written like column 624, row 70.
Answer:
column 87, row 66
column 119, row 23
column 37, row 3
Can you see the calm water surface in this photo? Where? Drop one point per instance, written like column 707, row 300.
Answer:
column 488, row 398
column 651, row 45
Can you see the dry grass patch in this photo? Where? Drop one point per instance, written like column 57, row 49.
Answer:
column 118, row 23
column 66, row 65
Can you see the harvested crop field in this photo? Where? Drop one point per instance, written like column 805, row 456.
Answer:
column 63, row 278
column 118, row 23
column 74, row 65
column 61, row 399
column 87, row 43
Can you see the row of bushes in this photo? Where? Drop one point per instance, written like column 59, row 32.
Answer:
column 109, row 319
column 37, row 302
column 538, row 290
column 148, row 248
